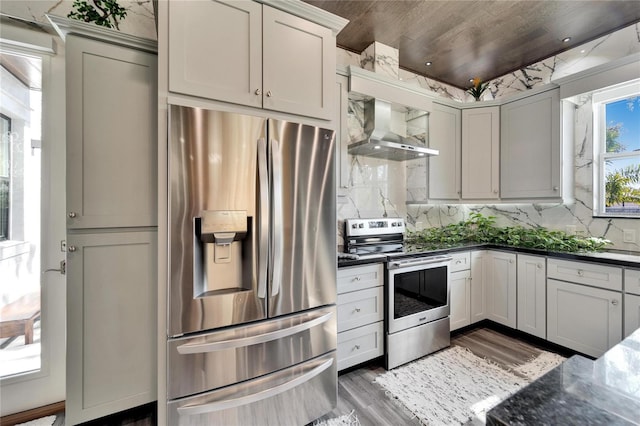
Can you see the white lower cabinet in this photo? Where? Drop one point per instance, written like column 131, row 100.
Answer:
column 360, row 344
column 360, row 314
column 532, row 299
column 111, row 346
column 583, row 318
column 477, row 287
column 631, row 313
column 460, row 299
column 501, row 288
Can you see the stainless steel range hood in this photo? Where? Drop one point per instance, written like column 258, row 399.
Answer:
column 381, row 142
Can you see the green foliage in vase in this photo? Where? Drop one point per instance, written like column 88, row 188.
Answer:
column 105, row 13
column 482, row 229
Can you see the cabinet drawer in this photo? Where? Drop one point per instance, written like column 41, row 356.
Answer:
column 360, row 308
column 632, row 281
column 360, row 344
column 360, row 277
column 460, row 261
column 607, row 277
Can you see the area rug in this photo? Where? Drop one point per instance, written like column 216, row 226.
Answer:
column 454, row 386
column 42, row 421
column 350, row 419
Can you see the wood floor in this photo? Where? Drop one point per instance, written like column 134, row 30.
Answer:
column 356, row 390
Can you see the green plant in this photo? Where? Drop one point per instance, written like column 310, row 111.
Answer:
column 103, row 12
column 477, row 89
column 482, row 229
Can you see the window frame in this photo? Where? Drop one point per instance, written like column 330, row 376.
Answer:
column 4, row 236
column 599, row 101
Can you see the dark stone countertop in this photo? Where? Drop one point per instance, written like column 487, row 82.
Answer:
column 607, row 257
column 580, row 392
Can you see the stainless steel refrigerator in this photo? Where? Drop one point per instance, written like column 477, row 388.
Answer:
column 251, row 336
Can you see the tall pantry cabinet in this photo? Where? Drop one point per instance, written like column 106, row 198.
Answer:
column 111, row 227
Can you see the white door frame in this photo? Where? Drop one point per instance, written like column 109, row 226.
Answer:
column 46, row 386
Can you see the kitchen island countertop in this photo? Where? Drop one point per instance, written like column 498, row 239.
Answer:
column 580, row 392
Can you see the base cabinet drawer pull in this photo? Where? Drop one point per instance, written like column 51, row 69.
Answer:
column 356, row 279
column 580, row 273
column 356, row 347
column 356, row 310
column 614, row 302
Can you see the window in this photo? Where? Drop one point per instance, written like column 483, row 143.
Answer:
column 5, row 162
column 617, row 151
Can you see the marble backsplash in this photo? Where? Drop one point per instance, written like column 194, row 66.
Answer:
column 380, row 188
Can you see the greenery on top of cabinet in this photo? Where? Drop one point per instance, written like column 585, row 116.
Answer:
column 481, row 229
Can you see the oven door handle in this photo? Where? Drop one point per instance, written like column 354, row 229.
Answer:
column 398, row 264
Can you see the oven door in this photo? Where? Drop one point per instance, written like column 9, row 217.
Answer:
column 417, row 291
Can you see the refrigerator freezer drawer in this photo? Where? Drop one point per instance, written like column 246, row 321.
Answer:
column 294, row 396
column 212, row 360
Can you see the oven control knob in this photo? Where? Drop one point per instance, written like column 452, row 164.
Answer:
column 361, row 225
column 394, row 224
column 354, row 225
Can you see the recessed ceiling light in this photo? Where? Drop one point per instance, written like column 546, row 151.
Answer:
column 470, row 80
column 583, row 50
column 428, row 63
column 566, row 39
column 376, row 147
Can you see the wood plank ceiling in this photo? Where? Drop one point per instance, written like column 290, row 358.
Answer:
column 476, row 38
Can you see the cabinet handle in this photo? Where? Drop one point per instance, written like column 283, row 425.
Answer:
column 495, row 191
column 356, row 310
column 580, row 273
column 72, row 214
column 71, row 249
column 510, row 260
column 458, row 262
column 356, row 279
column 269, row 94
column 614, row 302
column 356, row 347
column 258, row 92
column 539, row 266
column 555, row 188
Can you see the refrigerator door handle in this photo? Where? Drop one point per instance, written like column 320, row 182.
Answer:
column 198, row 409
column 196, row 348
column 277, row 213
column 263, row 242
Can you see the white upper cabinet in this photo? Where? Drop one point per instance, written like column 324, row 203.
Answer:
column 215, row 50
column 444, row 169
column 111, row 135
column 480, row 153
column 251, row 54
column 530, row 149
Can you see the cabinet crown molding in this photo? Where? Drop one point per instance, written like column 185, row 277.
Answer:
column 66, row 26
column 309, row 12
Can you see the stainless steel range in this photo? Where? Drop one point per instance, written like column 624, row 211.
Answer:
column 416, row 289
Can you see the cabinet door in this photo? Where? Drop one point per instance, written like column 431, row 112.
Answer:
column 111, row 135
column 586, row 319
column 501, row 288
column 530, row 147
column 342, row 134
column 460, row 298
column 532, row 298
column 478, row 283
column 215, row 50
column 111, row 323
column 480, row 153
column 631, row 313
column 299, row 65
column 444, row 169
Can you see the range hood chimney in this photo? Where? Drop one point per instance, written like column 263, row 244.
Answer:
column 381, row 142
